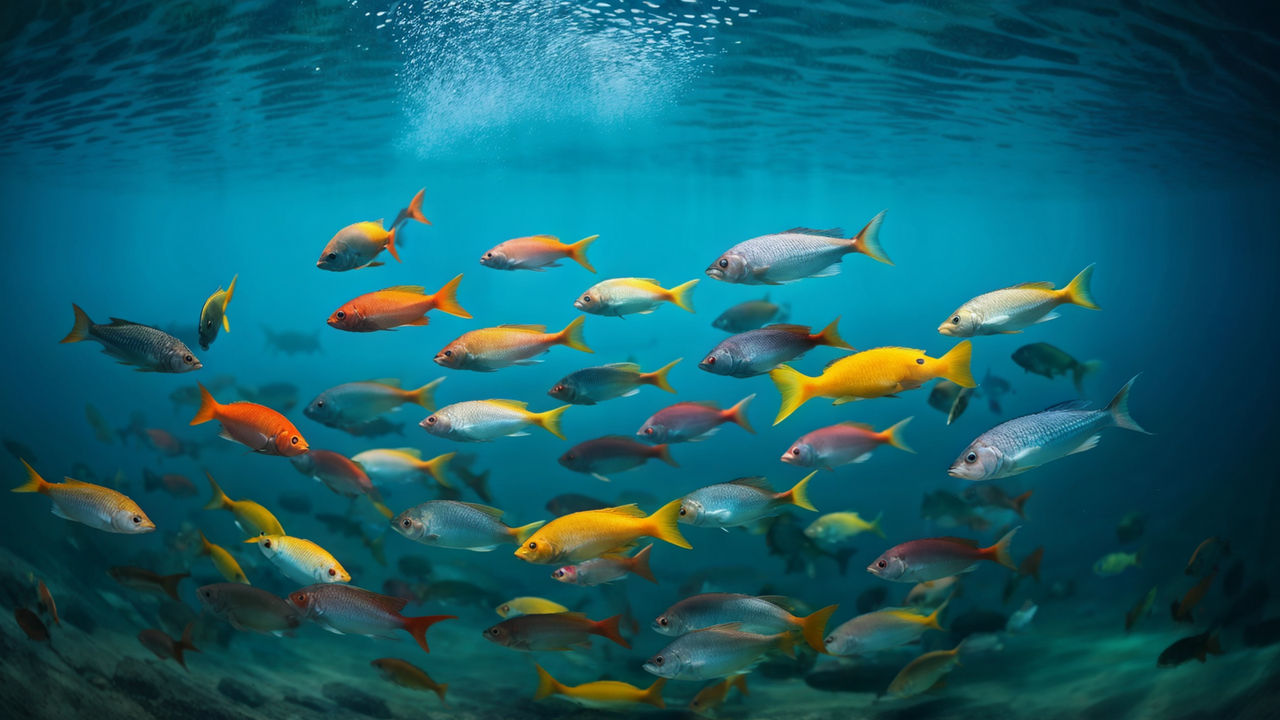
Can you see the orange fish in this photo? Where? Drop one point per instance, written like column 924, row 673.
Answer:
column 395, row 306
column 489, row 349
column 412, row 212
column 537, row 252
column 46, row 601
column 257, row 427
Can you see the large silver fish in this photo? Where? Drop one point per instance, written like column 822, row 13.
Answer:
column 716, row 652
column 460, row 525
column 1030, row 441
column 145, row 347
column 796, row 254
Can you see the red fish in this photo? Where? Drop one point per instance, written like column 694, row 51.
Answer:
column 692, row 421
column 395, row 306
column 257, row 427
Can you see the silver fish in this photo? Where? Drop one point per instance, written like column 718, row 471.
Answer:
column 716, row 652
column 356, row 403
column 796, row 254
column 756, row 352
column 592, row 385
column 145, row 347
column 459, row 525
column 750, row 315
column 249, row 608
column 764, row 614
column 740, row 502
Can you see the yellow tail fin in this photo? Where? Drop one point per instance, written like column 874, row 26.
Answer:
column 931, row 621
column 658, row 378
column 830, row 335
column 1078, row 292
column 663, row 525
column 738, row 413
column 893, row 435
column 814, row 628
column 954, row 366
column 547, row 685
column 415, row 211
column 550, row 420
column 653, row 695
column 794, row 388
column 425, row 395
column 799, row 495
column 867, row 241
column 571, row 335
column 578, row 251
column 391, row 243
column 226, row 300
column 875, row 524
column 80, row 330
column 435, row 467
column 682, row 295
column 219, row 500
column 34, row 483
column 446, row 299
column 523, row 532
column 208, row 407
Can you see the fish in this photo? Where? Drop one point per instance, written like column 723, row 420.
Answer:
column 295, row 503
column 225, row 564
column 168, row 444
column 494, row 348
column 924, row 673
column 460, row 525
column 1131, row 527
column 401, row 466
column 871, row 599
column 629, row 296
column 870, row 374
column 1016, row 308
column 1183, row 608
column 19, row 450
column 592, row 385
column 840, row 527
column 988, row 495
column 281, row 396
column 101, row 508
column 355, row 403
column 765, row 614
column 300, row 560
column 756, row 352
column 515, row 607
column 950, row 510
column 1207, row 554
column 936, row 558
column 31, row 624
column 336, row 472
column 1050, row 361
column 249, row 609
column 101, row 428
column 396, row 306
column 374, row 428
column 252, row 518
column 613, row 454
column 607, row 569
column 1020, row 620
column 458, row 592
column 143, row 580
column 572, row 502
column 214, row 314
column 784, row 536
column 592, row 533
column 46, row 601
column 1116, row 563
column 1030, row 564
column 741, row 501
column 537, row 252
column 713, row 696
column 292, row 342
column 410, row 676
column 693, row 421
column 601, row 694
column 178, row 486
column 932, row 592
column 882, row 630
column 350, row 610
column 950, row 398
column 413, row 211
column 485, row 420
column 165, row 647
column 1197, row 647
column 355, row 246
column 146, row 348
column 257, row 427
column 716, row 652
column 1140, row 609
column 553, row 631
column 843, row 443
column 995, row 388
column 796, row 254
column 478, row 482
column 751, row 315
column 1027, row 442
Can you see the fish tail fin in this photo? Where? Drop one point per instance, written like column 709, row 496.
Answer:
column 425, row 395
column 522, row 533
column 417, row 627
column 799, row 495
column 206, row 547
column 446, row 298
column 571, row 335
column 1077, row 292
column 1001, row 551
column 931, row 620
column 1020, row 503
column 867, row 241
column 682, row 295
column 893, row 435
column 1119, row 409
column 382, row 509
column 226, row 300
column 640, row 564
column 170, row 584
column 578, row 251
column 1082, row 371
column 219, row 500
column 414, row 211
column 663, row 453
column 663, row 524
column 787, row 644
column 34, row 483
column 80, row 329
column 391, row 245
column 793, row 386
column 610, row 628
column 653, row 694
column 830, row 335
column 658, row 378
column 547, row 685
column 740, row 681
column 208, row 406
column 435, row 468
column 185, row 644
column 875, row 525
column 814, row 627
column 955, row 365
column 550, row 420
column 738, row 413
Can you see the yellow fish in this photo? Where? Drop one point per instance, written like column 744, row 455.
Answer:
column 1009, row 311
column 301, row 560
column 871, row 374
column 601, row 693
column 924, row 673
column 251, row 518
column 592, row 533
column 214, row 313
column 515, row 607
column 489, row 349
column 837, row 527
column 98, row 507
column 625, row 296
column 408, row 675
column 222, row 560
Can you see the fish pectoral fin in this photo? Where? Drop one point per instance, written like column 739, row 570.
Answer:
column 486, row 548
column 1047, row 318
column 1007, row 332
column 600, row 477
column 705, row 435
column 335, row 632
column 862, row 458
column 629, row 393
column 431, row 537
column 845, row 399
column 57, row 512
column 529, row 361
column 517, row 434
column 830, row 270
column 1025, row 468
column 374, row 264
column 1089, row 443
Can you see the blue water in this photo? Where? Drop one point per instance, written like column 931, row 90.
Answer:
column 153, row 151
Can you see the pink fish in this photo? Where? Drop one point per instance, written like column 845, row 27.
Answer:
column 692, row 421
column 936, row 558
column 349, row 610
column 841, row 444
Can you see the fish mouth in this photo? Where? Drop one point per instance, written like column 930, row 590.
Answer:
column 873, row 569
column 945, row 329
column 578, row 305
column 198, row 364
column 714, row 271
column 653, row 669
column 956, row 472
column 787, row 458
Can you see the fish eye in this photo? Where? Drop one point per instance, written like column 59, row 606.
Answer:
column 955, row 320
column 795, row 451
column 293, row 440
column 558, row 574
column 431, row 420
column 187, row 358
column 448, row 353
column 683, row 511
column 137, row 520
column 919, row 361
column 558, row 388
column 723, row 263
column 533, row 546
column 331, row 256
column 266, row 543
column 406, row 523
column 971, row 457
column 711, row 360
column 488, row 254
column 586, row 298
column 648, row 431
column 505, row 608
column 340, row 314
column 208, row 593
column 319, row 403
column 829, row 639
column 333, row 573
column 569, row 456
column 882, row 564
column 663, row 621
column 658, row 660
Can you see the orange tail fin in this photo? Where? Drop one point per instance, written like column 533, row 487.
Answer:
column 814, row 627
column 738, row 413
column 414, row 210
column 578, row 251
column 80, row 330
column 658, row 378
column 1000, row 552
column 446, row 299
column 640, row 564
column 34, row 483
column 391, row 245
column 663, row 453
column 830, row 335
column 170, row 584
column 417, row 627
column 1020, row 503
column 608, row 628
column 208, row 407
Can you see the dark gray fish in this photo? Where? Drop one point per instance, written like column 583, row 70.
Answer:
column 572, row 503
column 1196, row 647
column 756, row 352
column 1131, row 527
column 611, row 454
column 146, row 348
column 592, row 385
column 950, row 398
column 478, row 482
column 21, row 451
column 291, row 342
column 872, row 599
column 295, row 503
column 750, row 315
column 1049, row 361
column 995, row 388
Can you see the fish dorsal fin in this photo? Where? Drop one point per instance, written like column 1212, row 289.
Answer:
column 1039, row 285
column 959, row 541
column 390, row 382
column 835, row 360
column 412, row 289
column 624, row 366
column 631, row 510
column 415, row 452
column 121, row 322
column 73, row 481
column 1069, row 405
column 859, row 425
column 790, row 328
column 492, row 512
column 725, row 627
column 514, row 404
column 781, row 601
column 700, row 403
column 553, row 238
column 651, row 281
column 757, row 481
column 829, row 232
column 525, row 328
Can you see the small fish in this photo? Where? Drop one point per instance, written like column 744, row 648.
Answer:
column 401, row 466
column 1183, row 608
column 881, row 630
column 995, row 388
column 165, row 647
column 1016, row 308
column 337, row 472
column 355, row 403
column 751, row 315
column 101, row 428
column 460, row 525
column 936, row 558
column 592, row 533
column 46, row 602
column 485, row 420
column 713, row 696
column 840, row 527
column 493, row 348
column 252, row 518
column 377, row 427
column 950, row 398
column 412, row 212
column 947, row 509
column 355, row 246
column 1020, row 620
column 1027, row 442
column 146, row 348
column 931, row 592
column 612, row 454
column 601, row 694
column 610, row 568
column 756, row 352
column 302, row 561
column 477, row 481
column 515, row 607
column 1116, row 563
column 249, row 608
column 871, row 599
column 281, row 396
column 31, row 624
column 741, row 501
column 409, row 676
column 843, row 443
column 1050, row 361
column 257, row 427
column 764, row 614
column 924, row 673
column 396, row 306
column 1131, row 527
column 168, row 444
column 143, row 580
column 553, row 631
column 349, row 610
column 561, row 505
column 596, row 384
column 871, row 374
column 214, row 314
column 716, row 652
column 796, row 254
column 537, row 252
column 693, row 421
column 295, row 503
column 1196, row 647
column 627, row 296
column 1141, row 609
column 1030, row 564
column 1207, row 554
column 179, row 486
column 100, row 508
column 988, row 495
column 292, row 342
column 222, row 560
column 19, row 450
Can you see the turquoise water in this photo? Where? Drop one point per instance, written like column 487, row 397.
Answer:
column 153, row 151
